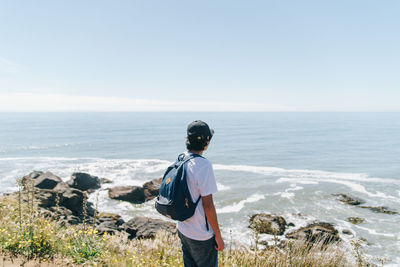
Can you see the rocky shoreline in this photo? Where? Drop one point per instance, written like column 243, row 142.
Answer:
column 67, row 202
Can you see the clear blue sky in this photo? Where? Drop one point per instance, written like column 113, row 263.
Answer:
column 211, row 55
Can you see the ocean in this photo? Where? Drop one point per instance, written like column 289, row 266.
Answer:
column 288, row 164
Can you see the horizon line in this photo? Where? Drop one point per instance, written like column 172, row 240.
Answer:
column 18, row 102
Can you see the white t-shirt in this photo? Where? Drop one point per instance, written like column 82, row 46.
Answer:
column 201, row 182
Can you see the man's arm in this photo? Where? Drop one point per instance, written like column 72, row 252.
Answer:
column 209, row 209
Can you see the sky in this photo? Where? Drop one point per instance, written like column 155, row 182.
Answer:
column 224, row 55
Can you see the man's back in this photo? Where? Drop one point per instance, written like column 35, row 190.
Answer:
column 201, row 182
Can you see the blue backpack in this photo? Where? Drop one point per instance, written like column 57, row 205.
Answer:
column 174, row 200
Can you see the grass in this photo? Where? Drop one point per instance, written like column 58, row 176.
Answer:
column 27, row 234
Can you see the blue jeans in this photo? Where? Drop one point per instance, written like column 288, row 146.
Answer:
column 197, row 253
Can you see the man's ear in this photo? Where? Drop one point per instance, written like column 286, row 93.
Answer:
column 205, row 148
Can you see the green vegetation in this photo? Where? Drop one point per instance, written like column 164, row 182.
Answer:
column 27, row 234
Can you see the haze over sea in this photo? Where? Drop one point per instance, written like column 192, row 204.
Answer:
column 284, row 163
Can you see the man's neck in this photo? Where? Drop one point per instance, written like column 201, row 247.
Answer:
column 199, row 152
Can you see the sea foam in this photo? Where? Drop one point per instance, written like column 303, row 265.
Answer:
column 240, row 205
column 301, row 174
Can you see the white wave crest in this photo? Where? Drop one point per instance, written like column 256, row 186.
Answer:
column 354, row 186
column 305, row 174
column 222, row 187
column 120, row 171
column 307, row 182
column 288, row 193
column 374, row 232
column 238, row 206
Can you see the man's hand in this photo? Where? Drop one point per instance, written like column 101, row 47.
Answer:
column 220, row 243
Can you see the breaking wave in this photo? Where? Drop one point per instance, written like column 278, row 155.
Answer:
column 240, row 205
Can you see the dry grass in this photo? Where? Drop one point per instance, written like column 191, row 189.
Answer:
column 26, row 234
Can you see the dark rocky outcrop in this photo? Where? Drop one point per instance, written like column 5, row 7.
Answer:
column 357, row 202
column 109, row 223
column 348, row 199
column 346, row 232
column 316, row 232
column 42, row 180
column 67, row 203
column 63, row 203
column 105, row 181
column 131, row 193
column 84, row 181
column 47, row 180
column 380, row 209
column 136, row 194
column 33, row 175
column 152, row 189
column 106, row 216
column 142, row 227
column 355, row 220
column 265, row 223
column 73, row 199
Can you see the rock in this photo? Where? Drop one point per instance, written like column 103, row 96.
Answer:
column 291, row 224
column 62, row 214
column 73, row 199
column 61, row 211
column 109, row 223
column 73, row 220
column 355, row 220
column 136, row 194
column 316, row 232
column 70, row 198
column 46, row 198
column 143, row 227
column 348, row 200
column 40, row 180
column 268, row 224
column 106, row 217
column 133, row 194
column 105, row 181
column 84, row 181
column 46, row 180
column 33, row 175
column 62, row 202
column 380, row 209
column 152, row 189
column 107, row 227
column 347, row 232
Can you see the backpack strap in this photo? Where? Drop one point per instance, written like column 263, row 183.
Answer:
column 183, row 157
column 205, row 216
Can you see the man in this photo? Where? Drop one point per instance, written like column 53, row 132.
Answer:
column 200, row 235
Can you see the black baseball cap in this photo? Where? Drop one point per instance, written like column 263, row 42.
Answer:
column 199, row 130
